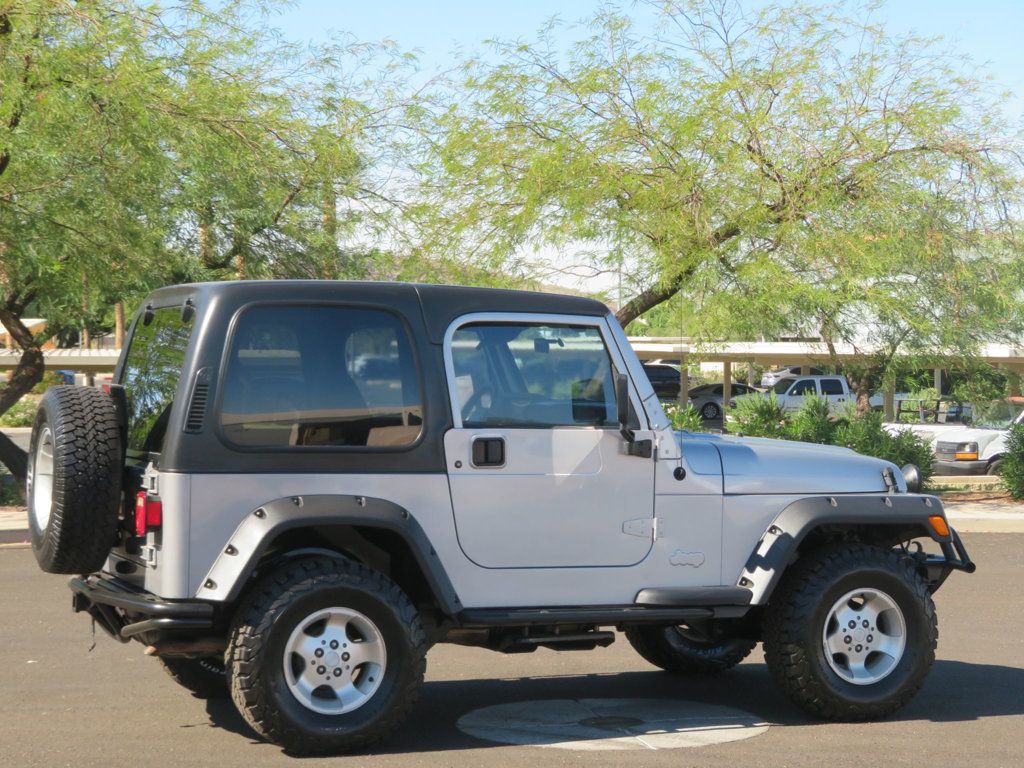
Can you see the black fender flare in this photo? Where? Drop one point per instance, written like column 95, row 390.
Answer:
column 780, row 542
column 249, row 542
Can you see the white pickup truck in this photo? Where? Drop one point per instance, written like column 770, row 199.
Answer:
column 792, row 391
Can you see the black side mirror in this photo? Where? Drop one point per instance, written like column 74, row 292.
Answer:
column 622, row 404
column 642, row 448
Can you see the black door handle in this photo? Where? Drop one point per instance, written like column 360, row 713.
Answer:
column 488, row 452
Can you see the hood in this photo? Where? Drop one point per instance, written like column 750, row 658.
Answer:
column 980, row 435
column 754, row 465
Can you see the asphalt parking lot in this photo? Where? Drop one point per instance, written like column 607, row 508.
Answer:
column 62, row 704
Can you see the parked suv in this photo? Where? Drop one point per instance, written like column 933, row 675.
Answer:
column 293, row 489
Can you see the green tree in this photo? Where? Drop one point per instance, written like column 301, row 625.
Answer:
column 141, row 145
column 795, row 168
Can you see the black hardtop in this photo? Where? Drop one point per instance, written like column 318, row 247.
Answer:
column 440, row 304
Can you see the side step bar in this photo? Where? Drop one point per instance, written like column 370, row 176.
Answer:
column 601, row 616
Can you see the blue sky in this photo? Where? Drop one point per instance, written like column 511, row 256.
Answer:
column 988, row 31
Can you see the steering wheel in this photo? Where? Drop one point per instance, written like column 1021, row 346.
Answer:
column 476, row 403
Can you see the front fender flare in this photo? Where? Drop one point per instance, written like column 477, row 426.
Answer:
column 249, row 541
column 779, row 543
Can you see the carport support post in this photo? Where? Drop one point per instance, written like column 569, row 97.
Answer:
column 805, row 370
column 938, row 381
column 726, row 388
column 750, row 373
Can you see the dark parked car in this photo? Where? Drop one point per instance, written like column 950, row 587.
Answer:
column 664, row 378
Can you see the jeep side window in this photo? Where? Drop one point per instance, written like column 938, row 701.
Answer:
column 150, row 378
column 320, row 376
column 532, row 376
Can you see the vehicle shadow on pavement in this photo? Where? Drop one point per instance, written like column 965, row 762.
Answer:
column 954, row 691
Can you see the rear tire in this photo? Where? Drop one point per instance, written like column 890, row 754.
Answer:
column 73, row 488
column 206, row 678
column 325, row 656
column 678, row 650
column 851, row 632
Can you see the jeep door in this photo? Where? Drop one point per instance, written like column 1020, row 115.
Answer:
column 538, row 470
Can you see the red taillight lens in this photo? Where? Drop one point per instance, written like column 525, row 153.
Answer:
column 149, row 513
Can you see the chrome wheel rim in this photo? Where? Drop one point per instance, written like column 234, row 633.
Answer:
column 40, row 480
column 865, row 636
column 710, row 411
column 334, row 661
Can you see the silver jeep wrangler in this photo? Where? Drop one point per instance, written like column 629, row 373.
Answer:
column 293, row 489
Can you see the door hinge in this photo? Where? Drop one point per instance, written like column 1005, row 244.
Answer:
column 644, row 527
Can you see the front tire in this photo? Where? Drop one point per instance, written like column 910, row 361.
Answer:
column 681, row 651
column 326, row 656
column 851, row 632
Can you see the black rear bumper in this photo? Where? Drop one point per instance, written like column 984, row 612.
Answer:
column 125, row 611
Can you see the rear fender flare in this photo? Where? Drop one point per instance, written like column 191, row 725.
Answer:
column 779, row 544
column 243, row 551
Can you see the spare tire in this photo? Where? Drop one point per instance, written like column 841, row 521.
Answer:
column 73, row 488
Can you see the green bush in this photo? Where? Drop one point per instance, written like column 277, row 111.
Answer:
column 813, row 422
column 50, row 379
column 687, row 418
column 21, row 414
column 865, row 434
column 757, row 416
column 10, row 496
column 1013, row 462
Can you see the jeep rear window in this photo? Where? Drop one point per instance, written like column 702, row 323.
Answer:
column 152, row 370
column 320, row 376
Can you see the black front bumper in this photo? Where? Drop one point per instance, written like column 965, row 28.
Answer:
column 125, row 611
column 954, row 557
column 944, row 467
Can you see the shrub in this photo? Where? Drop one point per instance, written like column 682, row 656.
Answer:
column 21, row 414
column 813, row 422
column 1013, row 462
column 687, row 418
column 10, row 496
column 865, row 434
column 758, row 416
column 50, row 379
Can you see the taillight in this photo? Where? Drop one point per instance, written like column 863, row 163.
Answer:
column 149, row 513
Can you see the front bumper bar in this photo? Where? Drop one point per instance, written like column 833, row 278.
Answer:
column 954, row 557
column 124, row 611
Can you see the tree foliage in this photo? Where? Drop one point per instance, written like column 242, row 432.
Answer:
column 796, row 168
column 143, row 144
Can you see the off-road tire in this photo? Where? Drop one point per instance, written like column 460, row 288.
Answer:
column 794, row 624
column 87, row 475
column 206, row 678
column 674, row 651
column 265, row 620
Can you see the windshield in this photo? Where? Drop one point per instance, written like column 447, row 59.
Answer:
column 998, row 414
column 782, row 386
